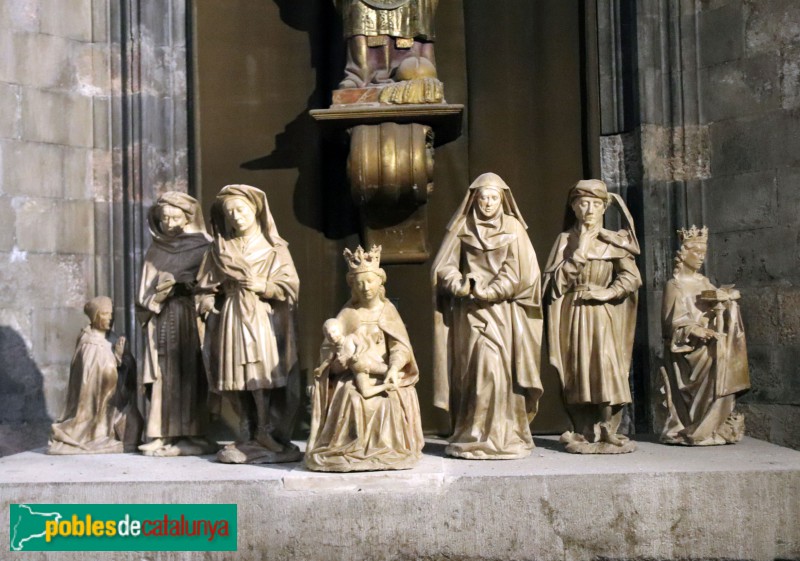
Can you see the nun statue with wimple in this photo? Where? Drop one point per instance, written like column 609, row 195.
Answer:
column 487, row 326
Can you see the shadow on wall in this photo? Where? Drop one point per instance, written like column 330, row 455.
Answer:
column 319, row 161
column 24, row 422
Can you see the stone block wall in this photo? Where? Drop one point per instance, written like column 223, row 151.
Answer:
column 54, row 165
column 749, row 83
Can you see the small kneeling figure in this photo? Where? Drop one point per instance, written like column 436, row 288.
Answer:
column 101, row 415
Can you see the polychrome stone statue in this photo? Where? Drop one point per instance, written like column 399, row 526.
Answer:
column 365, row 413
column 100, row 416
column 247, row 289
column 488, row 326
column 705, row 354
column 173, row 373
column 388, row 40
column 591, row 284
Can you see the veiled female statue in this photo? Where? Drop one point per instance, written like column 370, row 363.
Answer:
column 247, row 290
column 100, row 416
column 173, row 372
column 356, row 425
column 488, row 326
column 591, row 284
column 705, row 354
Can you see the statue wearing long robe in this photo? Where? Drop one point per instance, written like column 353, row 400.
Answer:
column 352, row 433
column 487, row 353
column 704, row 378
column 173, row 366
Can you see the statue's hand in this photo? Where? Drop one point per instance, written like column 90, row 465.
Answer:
column 462, row 289
column 599, row 295
column 119, row 349
column 392, row 376
column 259, row 286
column 704, row 334
column 206, row 307
column 163, row 290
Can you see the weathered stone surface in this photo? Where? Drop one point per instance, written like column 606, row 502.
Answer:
column 66, row 18
column 788, row 195
column 20, row 15
column 31, row 169
column 21, row 379
column 739, row 257
column 770, row 26
column 741, row 202
column 55, row 379
column 77, row 173
column 676, row 153
column 45, row 225
column 741, row 87
column 10, row 109
column 752, row 143
column 659, row 503
column 55, row 333
column 722, row 32
column 59, row 118
column 777, row 423
column 49, row 281
column 7, row 224
column 53, row 67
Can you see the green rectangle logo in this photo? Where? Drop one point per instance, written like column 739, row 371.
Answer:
column 123, row 527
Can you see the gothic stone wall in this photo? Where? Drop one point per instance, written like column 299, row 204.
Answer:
column 749, row 75
column 54, row 167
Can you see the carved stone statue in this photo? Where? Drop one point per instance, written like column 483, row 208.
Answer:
column 101, row 415
column 173, row 371
column 705, row 355
column 365, row 412
column 591, row 284
column 246, row 292
column 388, row 40
column 488, row 326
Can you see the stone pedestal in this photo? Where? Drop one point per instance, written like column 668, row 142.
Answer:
column 724, row 502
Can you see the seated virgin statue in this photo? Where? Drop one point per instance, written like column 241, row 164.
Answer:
column 705, row 354
column 365, row 412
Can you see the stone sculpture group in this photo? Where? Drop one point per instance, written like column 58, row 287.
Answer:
column 217, row 311
column 217, row 315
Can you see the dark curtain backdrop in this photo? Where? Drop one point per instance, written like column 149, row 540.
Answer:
column 260, row 65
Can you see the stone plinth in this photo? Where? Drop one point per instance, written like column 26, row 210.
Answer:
column 731, row 502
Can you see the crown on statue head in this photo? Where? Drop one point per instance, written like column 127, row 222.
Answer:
column 693, row 234
column 360, row 261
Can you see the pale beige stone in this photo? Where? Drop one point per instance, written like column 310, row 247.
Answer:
column 488, row 326
column 9, row 110
column 247, row 290
column 100, row 416
column 66, row 18
column 365, row 410
column 31, row 169
column 54, row 333
column 50, row 225
column 173, row 370
column 705, row 354
column 56, row 117
column 591, row 285
column 7, row 224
